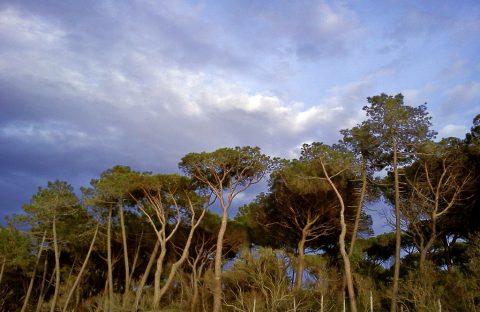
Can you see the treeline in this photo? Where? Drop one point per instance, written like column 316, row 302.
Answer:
column 141, row 241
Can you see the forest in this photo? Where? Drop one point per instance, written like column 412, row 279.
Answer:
column 146, row 241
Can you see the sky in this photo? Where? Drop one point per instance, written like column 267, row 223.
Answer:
column 86, row 85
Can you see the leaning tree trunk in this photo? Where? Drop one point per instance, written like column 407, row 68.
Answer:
column 79, row 276
column 217, row 292
column 4, row 261
column 30, row 286
column 150, row 263
column 341, row 241
column 109, row 260
column 57, row 265
column 358, row 215
column 300, row 261
column 125, row 252
column 42, row 286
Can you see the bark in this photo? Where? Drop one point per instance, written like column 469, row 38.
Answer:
column 341, row 241
column 182, row 258
column 30, row 286
column 135, row 258
column 4, row 261
column 125, row 251
column 300, row 261
column 57, row 265
column 396, row 274
column 42, row 286
column 217, row 292
column 84, row 265
column 150, row 263
column 109, row 260
column 158, row 274
column 359, row 209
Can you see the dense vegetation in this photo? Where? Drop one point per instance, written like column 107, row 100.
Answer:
column 141, row 241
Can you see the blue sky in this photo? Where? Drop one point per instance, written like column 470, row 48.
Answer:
column 85, row 85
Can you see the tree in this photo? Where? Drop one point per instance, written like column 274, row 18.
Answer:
column 54, row 208
column 166, row 201
column 397, row 129
column 292, row 215
column 336, row 168
column 436, row 183
column 225, row 173
column 364, row 147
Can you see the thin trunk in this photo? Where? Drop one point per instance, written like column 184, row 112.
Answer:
column 217, row 292
column 42, row 286
column 158, row 274
column 359, row 209
column 446, row 252
column 77, row 280
column 30, row 286
column 183, row 257
column 428, row 245
column 57, row 265
column 125, row 251
column 396, row 274
column 2, row 269
column 50, row 282
column 300, row 261
column 341, row 241
column 196, row 273
column 135, row 258
column 109, row 260
column 150, row 263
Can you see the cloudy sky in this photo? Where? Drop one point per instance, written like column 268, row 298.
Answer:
column 85, row 85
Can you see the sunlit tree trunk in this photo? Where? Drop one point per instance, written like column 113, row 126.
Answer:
column 42, row 286
column 358, row 215
column 150, row 263
column 125, row 251
column 109, row 260
column 30, row 286
column 82, row 269
column 57, row 264
column 217, row 292
column 300, row 261
column 4, row 262
column 341, row 241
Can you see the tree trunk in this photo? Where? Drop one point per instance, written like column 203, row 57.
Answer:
column 125, row 251
column 146, row 274
column 57, row 265
column 82, row 269
column 446, row 253
column 109, row 260
column 30, row 286
column 341, row 241
column 158, row 275
column 423, row 257
column 217, row 293
column 42, row 286
column 300, row 262
column 396, row 274
column 183, row 257
column 359, row 209
column 4, row 261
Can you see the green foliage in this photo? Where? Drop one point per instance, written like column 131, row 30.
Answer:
column 226, row 167
column 16, row 248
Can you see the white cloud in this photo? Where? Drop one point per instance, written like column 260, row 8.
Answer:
column 452, row 130
column 57, row 134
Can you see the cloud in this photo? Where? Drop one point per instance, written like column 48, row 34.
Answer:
column 70, row 113
column 452, row 130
